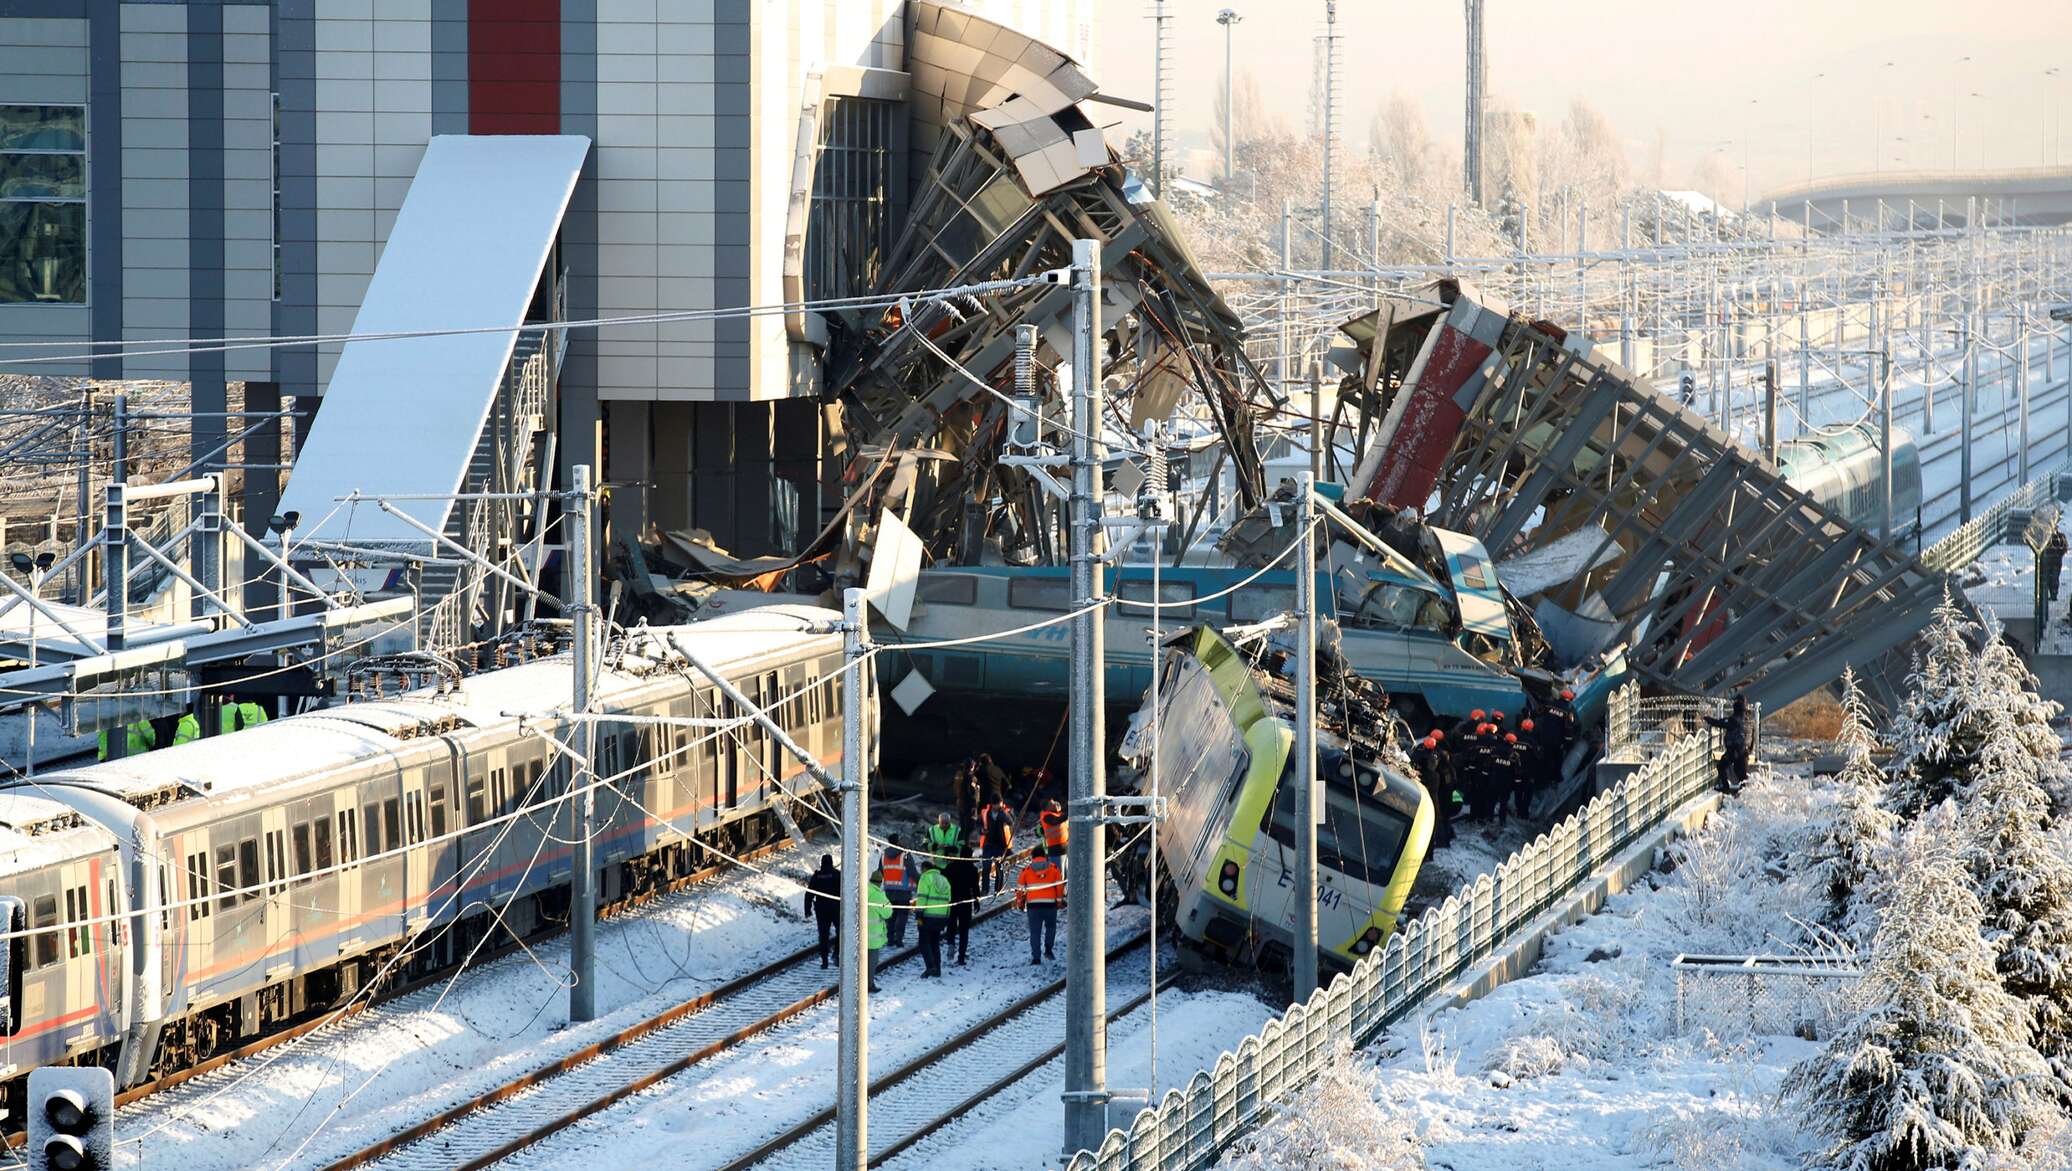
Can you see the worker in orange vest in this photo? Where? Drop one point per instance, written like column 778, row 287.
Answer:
column 1056, row 833
column 995, row 843
column 1040, row 891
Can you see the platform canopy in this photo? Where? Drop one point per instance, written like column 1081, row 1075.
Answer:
column 402, row 415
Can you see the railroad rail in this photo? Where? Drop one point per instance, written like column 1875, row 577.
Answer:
column 965, row 1070
column 497, row 1123
column 401, row 988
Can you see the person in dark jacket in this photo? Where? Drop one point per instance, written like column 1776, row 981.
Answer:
column 963, row 875
column 824, row 903
column 2053, row 563
column 1733, row 759
column 995, row 842
column 1431, row 771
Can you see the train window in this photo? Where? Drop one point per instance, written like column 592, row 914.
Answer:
column 439, row 809
column 370, row 828
column 166, row 895
column 1168, row 592
column 416, row 818
column 323, row 840
column 79, row 940
column 248, row 869
column 1254, row 603
column 948, row 589
column 1040, row 593
column 198, row 885
column 478, row 806
column 226, row 877
column 392, row 823
column 45, row 915
column 276, row 864
column 348, row 838
column 305, row 860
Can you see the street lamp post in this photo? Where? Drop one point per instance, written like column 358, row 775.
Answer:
column 1227, row 18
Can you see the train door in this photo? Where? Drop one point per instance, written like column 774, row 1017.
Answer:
column 342, row 810
column 197, row 892
column 14, row 919
column 417, row 869
column 442, row 854
column 277, row 905
column 80, row 942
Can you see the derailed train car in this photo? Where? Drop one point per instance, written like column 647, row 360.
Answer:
column 1225, row 766
column 172, row 906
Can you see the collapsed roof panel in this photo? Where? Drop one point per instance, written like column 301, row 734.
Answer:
column 1715, row 570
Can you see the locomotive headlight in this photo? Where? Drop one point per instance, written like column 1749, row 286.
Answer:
column 1226, row 881
column 1368, row 941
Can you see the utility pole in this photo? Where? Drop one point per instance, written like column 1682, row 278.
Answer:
column 1309, row 809
column 1626, row 294
column 1770, row 409
column 1228, row 18
column 2021, row 387
column 582, row 914
column 1971, row 323
column 1284, row 365
column 1885, row 443
column 1330, row 122
column 852, row 1096
column 1158, row 96
column 1478, row 79
column 115, row 555
column 1316, row 419
column 1086, row 991
column 83, row 458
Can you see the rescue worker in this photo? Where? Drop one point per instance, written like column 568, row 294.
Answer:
column 1733, row 760
column 1040, row 891
column 877, row 916
column 1483, row 777
column 824, row 904
column 995, row 843
column 1425, row 759
column 1511, row 767
column 1466, row 728
column 992, row 778
column 897, row 867
column 932, row 907
column 963, row 876
column 2053, row 563
column 943, row 837
column 1530, row 771
column 1555, row 729
column 139, row 737
column 1057, row 832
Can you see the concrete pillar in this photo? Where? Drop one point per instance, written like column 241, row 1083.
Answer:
column 629, row 468
column 669, row 496
column 262, row 485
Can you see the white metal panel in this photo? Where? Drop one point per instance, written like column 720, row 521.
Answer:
column 401, row 415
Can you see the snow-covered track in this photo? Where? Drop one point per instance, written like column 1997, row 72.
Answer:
column 501, row 1121
column 906, row 1103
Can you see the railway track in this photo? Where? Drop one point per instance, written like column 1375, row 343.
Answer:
column 907, row 1103
column 495, row 1124
column 402, row 988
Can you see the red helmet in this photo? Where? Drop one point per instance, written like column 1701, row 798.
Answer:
column 1525, row 725
column 1567, row 694
column 1436, row 734
column 1486, row 730
column 1428, row 742
column 1478, row 715
column 1510, row 737
column 1498, row 717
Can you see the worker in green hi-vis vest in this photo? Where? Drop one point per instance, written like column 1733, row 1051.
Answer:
column 231, row 717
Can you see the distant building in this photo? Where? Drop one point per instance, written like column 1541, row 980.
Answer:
column 232, row 169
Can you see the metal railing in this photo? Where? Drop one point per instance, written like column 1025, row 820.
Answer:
column 1191, row 1127
column 1967, row 541
column 1739, row 996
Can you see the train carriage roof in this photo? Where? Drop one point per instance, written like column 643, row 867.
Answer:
column 36, row 832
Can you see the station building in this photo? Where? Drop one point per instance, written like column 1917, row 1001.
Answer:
column 235, row 169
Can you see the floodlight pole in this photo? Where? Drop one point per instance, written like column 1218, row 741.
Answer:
column 852, row 1093
column 1308, row 808
column 582, row 995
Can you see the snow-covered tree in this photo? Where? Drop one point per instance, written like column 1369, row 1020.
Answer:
column 1843, row 854
column 1940, row 726
column 2012, row 690
column 1935, row 1070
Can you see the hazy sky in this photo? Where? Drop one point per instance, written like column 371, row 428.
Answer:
column 1708, row 74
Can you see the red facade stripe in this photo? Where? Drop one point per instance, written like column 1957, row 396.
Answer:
column 514, row 66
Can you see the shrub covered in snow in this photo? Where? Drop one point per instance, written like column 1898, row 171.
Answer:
column 1845, row 845
column 1938, row 729
column 1342, row 1121
column 1936, row 1069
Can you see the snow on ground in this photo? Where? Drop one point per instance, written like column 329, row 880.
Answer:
column 1578, row 1066
column 1022, row 1129
column 400, row 1062
column 722, row 1108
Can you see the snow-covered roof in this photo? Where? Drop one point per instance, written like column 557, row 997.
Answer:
column 36, row 831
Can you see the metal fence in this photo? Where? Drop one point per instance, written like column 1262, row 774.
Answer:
column 1739, row 996
column 1190, row 1127
column 1967, row 541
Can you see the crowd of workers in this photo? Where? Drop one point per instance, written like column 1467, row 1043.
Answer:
column 1487, row 768
column 937, row 884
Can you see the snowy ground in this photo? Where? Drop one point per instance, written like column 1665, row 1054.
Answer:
column 1579, row 1066
column 401, row 1062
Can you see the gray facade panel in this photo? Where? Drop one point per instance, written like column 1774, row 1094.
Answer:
column 104, row 195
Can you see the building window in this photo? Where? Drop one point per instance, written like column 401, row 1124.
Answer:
column 276, row 197
column 43, row 204
column 849, row 227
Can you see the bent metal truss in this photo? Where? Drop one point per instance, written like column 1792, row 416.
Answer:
column 1715, row 571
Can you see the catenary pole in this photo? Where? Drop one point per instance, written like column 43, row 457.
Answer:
column 582, row 916
column 1307, row 808
column 1086, row 993
column 852, row 1099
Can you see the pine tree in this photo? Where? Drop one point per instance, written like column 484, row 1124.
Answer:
column 2016, row 694
column 2024, row 882
column 1935, row 1070
column 1844, row 849
column 1936, row 735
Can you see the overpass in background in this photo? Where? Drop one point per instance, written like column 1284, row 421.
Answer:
column 2036, row 196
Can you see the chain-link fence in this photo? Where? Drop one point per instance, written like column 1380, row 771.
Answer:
column 1740, row 996
column 1967, row 541
column 1190, row 1127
